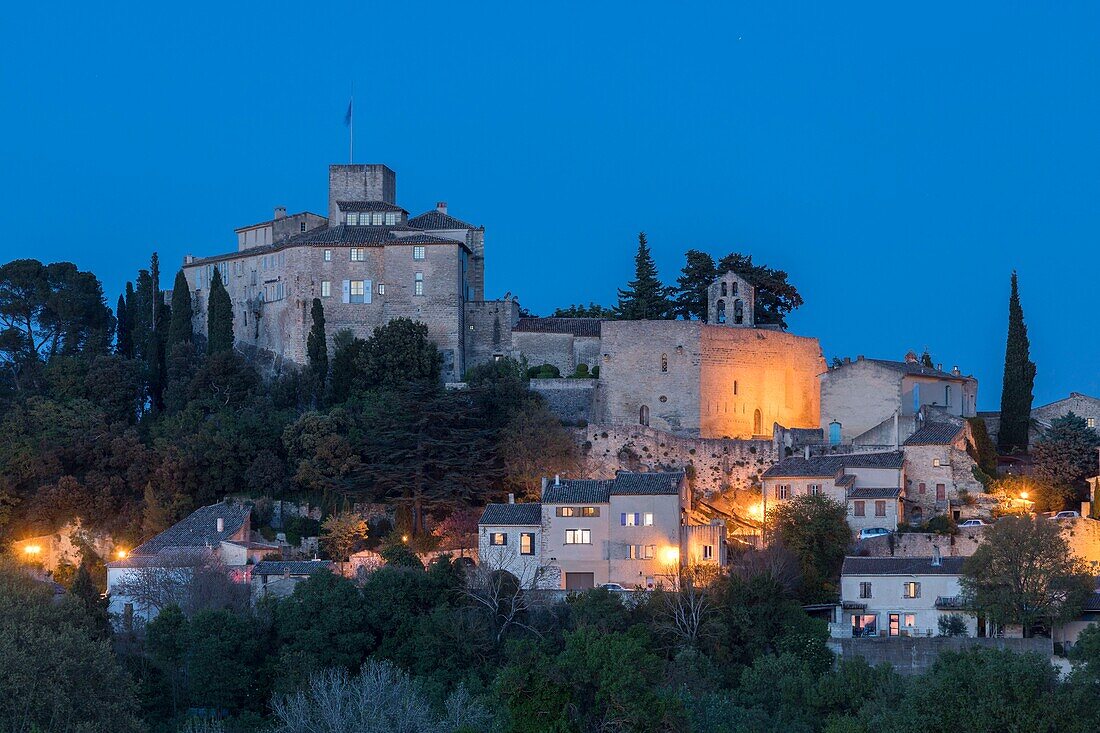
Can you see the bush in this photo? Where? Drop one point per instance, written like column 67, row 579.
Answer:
column 596, row 372
column 581, row 372
column 298, row 527
column 952, row 625
column 942, row 524
column 543, row 371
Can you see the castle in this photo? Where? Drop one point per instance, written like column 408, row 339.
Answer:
column 369, row 262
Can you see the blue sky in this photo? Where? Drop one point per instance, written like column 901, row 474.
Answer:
column 898, row 162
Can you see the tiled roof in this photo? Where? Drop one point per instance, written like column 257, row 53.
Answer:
column 915, row 368
column 935, row 433
column 199, row 529
column 168, row 557
column 901, row 566
column 369, row 206
column 649, row 483
column 869, row 493
column 367, row 235
column 846, row 480
column 512, row 514
column 296, row 567
column 1092, row 603
column 272, row 221
column 577, row 491
column 435, row 219
column 575, row 326
column 830, row 465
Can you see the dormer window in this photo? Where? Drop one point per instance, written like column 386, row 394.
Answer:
column 377, row 219
column 391, row 218
column 352, row 218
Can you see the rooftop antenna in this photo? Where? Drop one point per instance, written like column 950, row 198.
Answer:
column 349, row 121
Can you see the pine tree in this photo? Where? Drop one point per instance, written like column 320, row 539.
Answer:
column 155, row 350
column 180, row 330
column 926, row 360
column 692, row 298
column 91, row 600
column 124, row 345
column 317, row 346
column 219, row 317
column 644, row 298
column 1019, row 379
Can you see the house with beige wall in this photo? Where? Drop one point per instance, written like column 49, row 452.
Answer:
column 939, row 472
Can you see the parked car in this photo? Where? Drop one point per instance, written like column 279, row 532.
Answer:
column 612, row 586
column 974, row 523
column 868, row 532
column 1068, row 515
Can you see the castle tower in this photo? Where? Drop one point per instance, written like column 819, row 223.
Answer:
column 731, row 301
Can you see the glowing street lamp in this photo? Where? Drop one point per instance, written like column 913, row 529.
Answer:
column 121, row 554
column 1023, row 495
column 32, row 549
column 670, row 555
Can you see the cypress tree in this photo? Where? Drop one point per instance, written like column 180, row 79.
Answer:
column 316, row 346
column 644, row 298
column 219, row 317
column 1019, row 379
column 124, row 346
column 693, row 285
column 179, row 331
column 155, row 352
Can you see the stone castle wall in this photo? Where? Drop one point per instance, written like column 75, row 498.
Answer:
column 570, row 399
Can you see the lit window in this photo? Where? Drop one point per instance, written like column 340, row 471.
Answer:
column 352, row 218
column 567, row 511
column 499, row 539
column 648, row 519
column 864, row 590
column 527, row 543
column 378, row 218
column 630, row 520
column 358, row 254
column 815, row 489
column 708, row 552
column 418, row 252
column 1090, row 422
column 328, row 255
column 910, row 620
column 590, row 511
column 947, row 395
column 326, row 289
column 418, row 284
column 859, row 508
column 936, row 462
column 391, row 218
column 880, row 508
column 912, row 589
column 381, row 288
column 641, row 552
column 357, row 291
column 578, row 537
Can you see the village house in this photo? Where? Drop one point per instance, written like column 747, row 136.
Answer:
column 869, row 484
column 899, row 596
column 940, row 474
column 631, row 530
column 279, row 578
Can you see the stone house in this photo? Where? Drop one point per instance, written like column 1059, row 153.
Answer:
column 874, row 402
column 870, row 485
column 898, row 596
column 939, row 472
column 632, row 530
column 279, row 577
column 1079, row 404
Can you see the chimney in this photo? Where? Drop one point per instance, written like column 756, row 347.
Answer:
column 544, row 482
column 286, row 573
column 441, row 207
column 939, row 367
column 511, row 498
column 955, row 370
column 221, row 524
column 188, row 259
column 557, row 479
column 806, row 452
column 910, row 357
column 847, row 360
column 280, row 212
column 937, row 561
column 859, row 358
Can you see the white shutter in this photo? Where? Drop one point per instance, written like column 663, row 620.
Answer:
column 347, row 291
column 367, row 291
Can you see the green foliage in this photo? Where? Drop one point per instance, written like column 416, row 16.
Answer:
column 299, row 526
column 952, row 624
column 775, row 297
column 317, row 346
column 399, row 353
column 398, row 555
column 533, row 444
column 941, row 524
column 1064, row 457
column 592, row 310
column 644, row 297
column 1019, row 380
column 981, row 449
column 180, row 330
column 124, row 341
column 691, row 299
column 815, row 529
column 219, row 317
column 347, row 351
column 544, row 371
column 319, row 451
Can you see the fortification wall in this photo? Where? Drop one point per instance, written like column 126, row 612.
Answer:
column 569, row 399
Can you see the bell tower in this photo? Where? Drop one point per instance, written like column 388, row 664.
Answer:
column 731, row 301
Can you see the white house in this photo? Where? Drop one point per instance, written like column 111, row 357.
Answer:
column 899, row 596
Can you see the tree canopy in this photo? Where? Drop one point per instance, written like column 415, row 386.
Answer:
column 644, row 297
column 1064, row 457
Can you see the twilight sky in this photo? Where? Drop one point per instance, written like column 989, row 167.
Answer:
column 898, row 163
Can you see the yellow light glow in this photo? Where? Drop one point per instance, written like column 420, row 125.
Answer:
column 32, row 549
column 1023, row 494
column 670, row 555
column 757, row 510
column 404, row 538
column 121, row 554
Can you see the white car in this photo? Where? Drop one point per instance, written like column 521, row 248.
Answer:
column 1068, row 515
column 869, row 532
column 974, row 523
column 612, row 586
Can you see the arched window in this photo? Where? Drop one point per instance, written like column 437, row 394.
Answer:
column 735, row 288
column 757, row 423
column 738, row 311
column 724, row 292
column 916, row 515
column 721, row 311
column 664, row 362
column 643, row 415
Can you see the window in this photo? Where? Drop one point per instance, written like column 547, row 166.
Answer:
column 735, row 388
column 783, row 491
column 859, row 508
column 391, row 218
column 947, row 395
column 381, row 288
column 527, row 543
column 357, row 291
column 814, row 489
column 418, row 252
column 418, row 284
column 643, row 415
column 378, row 218
column 880, row 508
column 641, row 552
column 864, row 590
column 566, row 511
column 708, row 552
column 358, row 254
column 590, row 511
column 326, row 289
column 328, row 255
column 352, row 218
column 757, row 423
column 721, row 311
column 865, row 625
column 935, row 462
column 578, row 537
column 630, row 520
column 738, row 311
column 734, row 288
column 724, row 290
column 910, row 620
column 498, row 539
column 302, row 227
column 921, row 487
column 647, row 520
column 941, row 492
column 911, row 590
column 664, row 362
column 1090, row 422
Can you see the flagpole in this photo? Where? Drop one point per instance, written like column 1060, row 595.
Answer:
column 351, row 127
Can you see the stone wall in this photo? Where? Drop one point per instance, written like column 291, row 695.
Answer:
column 715, row 466
column 569, row 399
column 859, row 395
column 488, row 331
column 917, row 544
column 914, row 655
